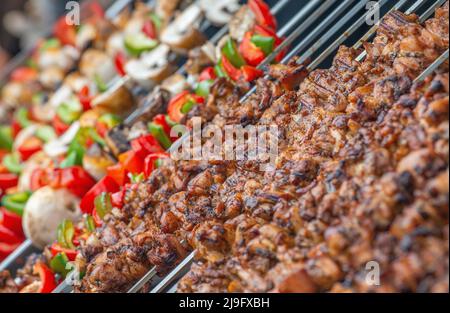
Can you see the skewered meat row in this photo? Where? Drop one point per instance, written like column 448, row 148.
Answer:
column 345, row 194
column 197, row 199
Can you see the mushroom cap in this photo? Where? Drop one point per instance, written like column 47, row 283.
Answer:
column 45, row 210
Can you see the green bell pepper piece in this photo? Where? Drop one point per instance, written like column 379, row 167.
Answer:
column 6, row 138
column 46, row 133
column 16, row 202
column 59, row 264
column 22, row 117
column 158, row 132
column 231, row 51
column 266, row 44
column 138, row 43
column 204, row 87
column 65, row 233
column 90, row 224
column 69, row 111
column 103, row 204
column 12, row 163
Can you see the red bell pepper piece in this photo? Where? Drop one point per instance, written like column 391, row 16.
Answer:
column 234, row 73
column 30, row 147
column 160, row 119
column 149, row 29
column 262, row 13
column 251, row 73
column 12, row 222
column 132, row 162
column 118, row 198
column 85, row 98
column 24, row 74
column 16, row 128
column 144, row 145
column 8, row 236
column 175, row 106
column 48, row 283
column 70, row 253
column 76, row 180
column 207, row 74
column 120, row 60
column 7, row 249
column 150, row 162
column 106, row 184
column 251, row 53
column 66, row 34
column 59, row 126
column 8, row 180
column 118, row 173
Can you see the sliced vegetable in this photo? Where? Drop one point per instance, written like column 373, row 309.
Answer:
column 85, row 98
column 29, row 147
column 24, row 74
column 149, row 29
column 132, row 162
column 158, row 131
column 16, row 202
column 70, row 253
column 59, row 263
column 145, row 145
column 151, row 162
column 22, row 118
column 65, row 234
column 8, row 180
column 70, row 111
column 251, row 73
column 59, row 126
column 138, row 43
column 66, row 34
column 231, row 52
column 119, row 61
column 203, row 87
column 207, row 74
column 101, row 85
column 45, row 133
column 46, row 276
column 106, row 184
column 266, row 44
column 118, row 174
column 11, row 221
column 6, row 138
column 12, row 163
column 262, row 13
column 103, row 204
column 89, row 223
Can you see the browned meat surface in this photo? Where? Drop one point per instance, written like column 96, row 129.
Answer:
column 7, row 284
column 360, row 177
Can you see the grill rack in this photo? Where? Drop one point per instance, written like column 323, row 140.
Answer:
column 169, row 282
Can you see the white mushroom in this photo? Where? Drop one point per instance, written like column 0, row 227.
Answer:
column 183, row 34
column 219, row 12
column 117, row 99
column 166, row 8
column 63, row 58
column 115, row 44
column 85, row 35
column 175, row 84
column 242, row 22
column 95, row 162
column 96, row 64
column 45, row 210
column 152, row 66
column 51, row 77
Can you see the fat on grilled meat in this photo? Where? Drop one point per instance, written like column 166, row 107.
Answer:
column 259, row 231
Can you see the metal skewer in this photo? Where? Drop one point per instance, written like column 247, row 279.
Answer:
column 434, row 66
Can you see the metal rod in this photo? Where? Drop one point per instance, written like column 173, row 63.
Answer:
column 434, row 66
column 180, row 270
column 344, row 37
column 431, row 10
column 23, row 249
column 145, row 279
column 415, row 6
column 297, row 32
column 328, row 35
